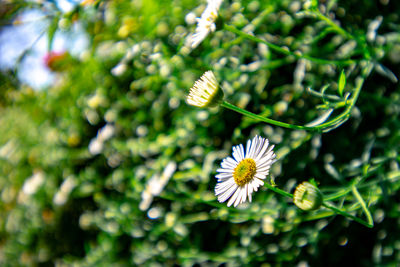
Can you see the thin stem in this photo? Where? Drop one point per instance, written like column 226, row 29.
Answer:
column 267, row 120
column 346, row 113
column 278, row 191
column 368, row 224
column 318, row 128
column 363, row 205
column 256, row 22
column 286, row 51
column 317, row 14
column 331, row 23
column 348, row 215
column 337, row 195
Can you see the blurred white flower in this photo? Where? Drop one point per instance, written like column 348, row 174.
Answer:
column 156, row 184
column 373, row 27
column 205, row 24
column 119, row 69
column 95, row 101
column 95, row 146
column 106, row 132
column 241, row 175
column 32, row 184
column 205, row 91
column 190, row 18
column 65, row 189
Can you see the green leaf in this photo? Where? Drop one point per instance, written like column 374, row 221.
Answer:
column 53, row 27
column 342, row 83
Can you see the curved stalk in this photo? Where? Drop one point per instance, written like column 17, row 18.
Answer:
column 267, row 120
column 336, row 210
column 285, row 51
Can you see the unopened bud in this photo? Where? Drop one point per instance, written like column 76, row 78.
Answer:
column 307, row 196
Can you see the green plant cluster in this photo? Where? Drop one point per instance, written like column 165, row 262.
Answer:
column 110, row 167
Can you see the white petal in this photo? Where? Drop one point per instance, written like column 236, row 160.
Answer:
column 249, row 190
column 263, row 173
column 252, row 144
column 223, row 175
column 264, row 162
column 234, row 197
column 260, row 176
column 239, row 196
column 224, row 170
column 259, row 147
column 223, row 197
column 227, row 164
column 270, row 148
column 213, row 27
column 244, row 194
column 263, row 149
column 227, row 183
column 231, row 160
column 223, row 185
column 266, row 159
column 257, row 183
column 236, row 153
column 198, row 37
column 252, row 148
column 248, row 148
column 241, row 150
column 266, row 167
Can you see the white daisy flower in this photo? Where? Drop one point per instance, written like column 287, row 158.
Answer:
column 205, row 24
column 205, row 91
column 241, row 175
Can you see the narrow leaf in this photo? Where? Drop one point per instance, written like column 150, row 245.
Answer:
column 342, row 83
column 363, row 206
column 321, row 119
column 53, row 27
column 384, row 71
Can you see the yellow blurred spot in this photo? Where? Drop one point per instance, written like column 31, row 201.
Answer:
column 170, row 219
column 129, row 25
column 73, row 139
column 89, row 2
column 162, row 29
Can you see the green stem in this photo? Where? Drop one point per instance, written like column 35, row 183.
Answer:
column 363, row 205
column 278, row 191
column 319, row 128
column 361, row 42
column 331, row 23
column 346, row 113
column 368, row 224
column 286, row 51
column 337, row 195
column 267, row 120
column 348, row 215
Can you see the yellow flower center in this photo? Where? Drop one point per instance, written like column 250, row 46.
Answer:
column 244, row 172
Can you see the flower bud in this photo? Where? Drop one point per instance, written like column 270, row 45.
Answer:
column 58, row 61
column 307, row 196
column 205, row 92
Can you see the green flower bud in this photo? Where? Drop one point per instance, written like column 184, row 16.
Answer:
column 307, row 196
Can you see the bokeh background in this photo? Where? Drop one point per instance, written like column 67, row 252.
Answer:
column 103, row 163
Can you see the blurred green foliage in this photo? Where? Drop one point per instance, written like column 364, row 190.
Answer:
column 81, row 162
